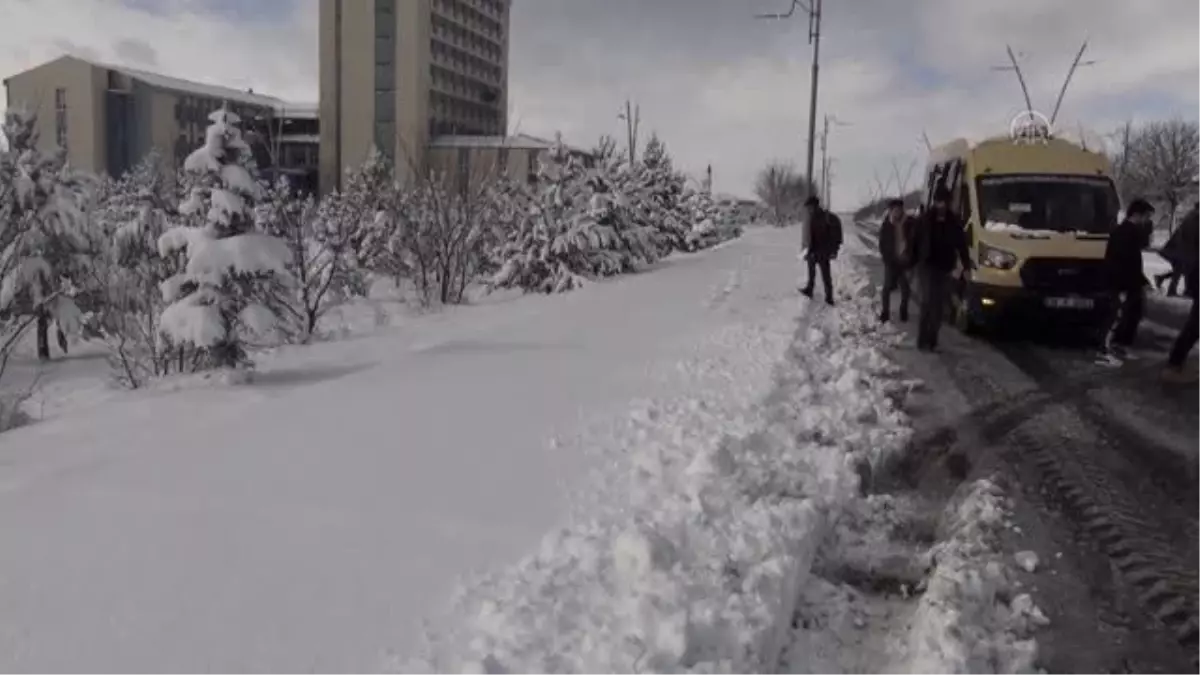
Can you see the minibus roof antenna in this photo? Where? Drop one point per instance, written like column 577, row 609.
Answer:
column 1070, row 73
column 1016, row 67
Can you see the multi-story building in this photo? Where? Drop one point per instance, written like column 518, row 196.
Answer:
column 396, row 74
column 109, row 117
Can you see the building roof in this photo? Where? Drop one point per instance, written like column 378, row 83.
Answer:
column 203, row 89
column 297, row 111
column 518, row 141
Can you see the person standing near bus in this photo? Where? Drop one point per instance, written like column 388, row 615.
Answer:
column 1127, row 278
column 1188, row 258
column 939, row 245
column 895, row 235
column 824, row 241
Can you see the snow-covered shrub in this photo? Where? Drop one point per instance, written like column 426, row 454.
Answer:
column 550, row 245
column 367, row 211
column 46, row 256
column 229, row 264
column 616, row 195
column 442, row 232
column 126, row 275
column 662, row 189
column 710, row 223
column 322, row 260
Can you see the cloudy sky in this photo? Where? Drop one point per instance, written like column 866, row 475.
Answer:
column 717, row 85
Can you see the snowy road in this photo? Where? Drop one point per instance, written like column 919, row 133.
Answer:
column 1107, row 460
column 309, row 521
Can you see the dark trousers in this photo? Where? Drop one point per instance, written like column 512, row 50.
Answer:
column 1187, row 338
column 1128, row 316
column 821, row 263
column 1174, row 277
column 895, row 277
column 935, row 291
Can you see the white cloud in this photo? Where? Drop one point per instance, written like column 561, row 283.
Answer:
column 718, row 86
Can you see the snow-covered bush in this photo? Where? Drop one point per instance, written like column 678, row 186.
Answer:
column 229, row 264
column 549, row 246
column 710, row 223
column 662, row 189
column 126, row 274
column 45, row 254
column 442, row 233
column 367, row 210
column 616, row 194
column 324, row 241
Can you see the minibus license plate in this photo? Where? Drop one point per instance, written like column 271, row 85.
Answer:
column 1070, row 303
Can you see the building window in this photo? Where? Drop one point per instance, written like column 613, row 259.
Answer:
column 60, row 117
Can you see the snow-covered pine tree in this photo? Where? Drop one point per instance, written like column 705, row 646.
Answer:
column 616, row 203
column 663, row 188
column 46, row 260
column 550, row 249
column 700, row 213
column 212, row 300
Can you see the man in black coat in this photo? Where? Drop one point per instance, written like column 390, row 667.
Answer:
column 1186, row 244
column 895, row 236
column 939, row 244
column 824, row 241
column 1126, row 276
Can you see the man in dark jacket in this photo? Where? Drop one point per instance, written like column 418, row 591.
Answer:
column 895, row 236
column 824, row 240
column 1177, row 257
column 939, row 245
column 1127, row 279
column 1187, row 249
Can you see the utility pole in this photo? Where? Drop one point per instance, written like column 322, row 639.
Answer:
column 632, row 117
column 814, row 38
column 825, row 154
column 827, row 175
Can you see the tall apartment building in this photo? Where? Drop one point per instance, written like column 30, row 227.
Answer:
column 396, row 74
column 109, row 117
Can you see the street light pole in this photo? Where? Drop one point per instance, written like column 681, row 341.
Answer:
column 814, row 38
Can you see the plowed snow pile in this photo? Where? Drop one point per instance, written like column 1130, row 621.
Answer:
column 717, row 503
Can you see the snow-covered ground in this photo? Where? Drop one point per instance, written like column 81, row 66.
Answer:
column 636, row 475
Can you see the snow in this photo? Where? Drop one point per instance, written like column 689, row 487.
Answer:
column 633, row 476
column 1019, row 232
column 1026, row 560
column 310, row 520
column 963, row 624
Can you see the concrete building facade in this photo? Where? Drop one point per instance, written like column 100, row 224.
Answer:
column 109, row 117
column 396, row 74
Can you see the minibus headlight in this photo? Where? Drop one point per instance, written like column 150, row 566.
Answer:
column 996, row 258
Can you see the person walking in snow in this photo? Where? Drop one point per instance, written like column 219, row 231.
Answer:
column 1127, row 278
column 895, row 233
column 939, row 244
column 824, row 238
column 1188, row 257
column 1177, row 257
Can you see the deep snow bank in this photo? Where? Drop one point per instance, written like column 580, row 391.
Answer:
column 715, row 506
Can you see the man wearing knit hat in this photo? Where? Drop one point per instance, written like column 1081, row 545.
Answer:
column 940, row 243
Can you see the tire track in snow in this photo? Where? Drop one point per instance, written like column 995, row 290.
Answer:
column 1104, row 476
